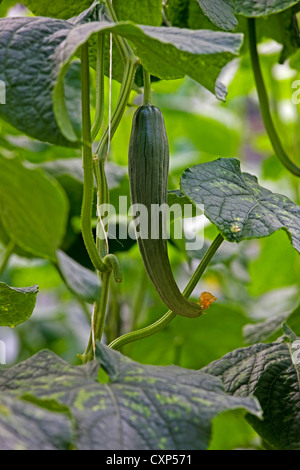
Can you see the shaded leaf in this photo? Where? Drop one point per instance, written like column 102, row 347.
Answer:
column 16, row 304
column 237, row 204
column 33, row 209
column 220, row 13
column 141, row 407
column 26, row 46
column 24, row 426
column 271, row 373
column 80, row 280
column 255, row 8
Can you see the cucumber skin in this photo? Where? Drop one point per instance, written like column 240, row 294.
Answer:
column 148, row 168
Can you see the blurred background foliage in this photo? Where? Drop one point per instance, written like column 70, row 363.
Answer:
column 253, row 281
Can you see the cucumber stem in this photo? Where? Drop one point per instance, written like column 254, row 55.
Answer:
column 147, row 87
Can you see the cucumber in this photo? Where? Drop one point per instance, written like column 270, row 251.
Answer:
column 148, row 167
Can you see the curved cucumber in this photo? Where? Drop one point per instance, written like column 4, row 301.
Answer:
column 148, row 176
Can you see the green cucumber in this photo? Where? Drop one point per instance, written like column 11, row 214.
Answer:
column 148, row 167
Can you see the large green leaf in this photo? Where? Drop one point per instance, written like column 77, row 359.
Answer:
column 26, row 67
column 33, row 209
column 141, row 407
column 237, row 204
column 16, row 304
column 48, row 45
column 25, row 426
column 271, row 373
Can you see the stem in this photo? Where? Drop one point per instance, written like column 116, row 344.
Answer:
column 87, row 159
column 264, row 102
column 99, row 86
column 128, row 78
column 98, row 319
column 169, row 316
column 123, row 46
column 8, row 252
column 147, row 87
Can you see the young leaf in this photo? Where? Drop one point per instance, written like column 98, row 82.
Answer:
column 237, row 204
column 269, row 372
column 33, row 209
column 16, row 304
column 141, row 407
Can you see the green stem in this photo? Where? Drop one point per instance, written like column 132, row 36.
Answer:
column 169, row 316
column 264, row 102
column 147, row 87
column 98, row 319
column 128, row 78
column 87, row 160
column 8, row 252
column 122, row 45
column 99, row 86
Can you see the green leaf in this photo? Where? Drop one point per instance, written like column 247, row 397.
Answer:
column 237, row 204
column 271, row 328
column 33, row 209
column 269, row 372
column 184, row 52
column 27, row 45
column 140, row 407
column 220, row 13
column 256, row 8
column 80, row 280
column 16, row 304
column 63, row 9
column 139, row 11
column 25, row 426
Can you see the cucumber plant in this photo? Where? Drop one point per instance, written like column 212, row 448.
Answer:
column 61, row 65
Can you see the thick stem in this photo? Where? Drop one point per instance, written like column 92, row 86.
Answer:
column 264, row 102
column 87, row 160
column 169, row 316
